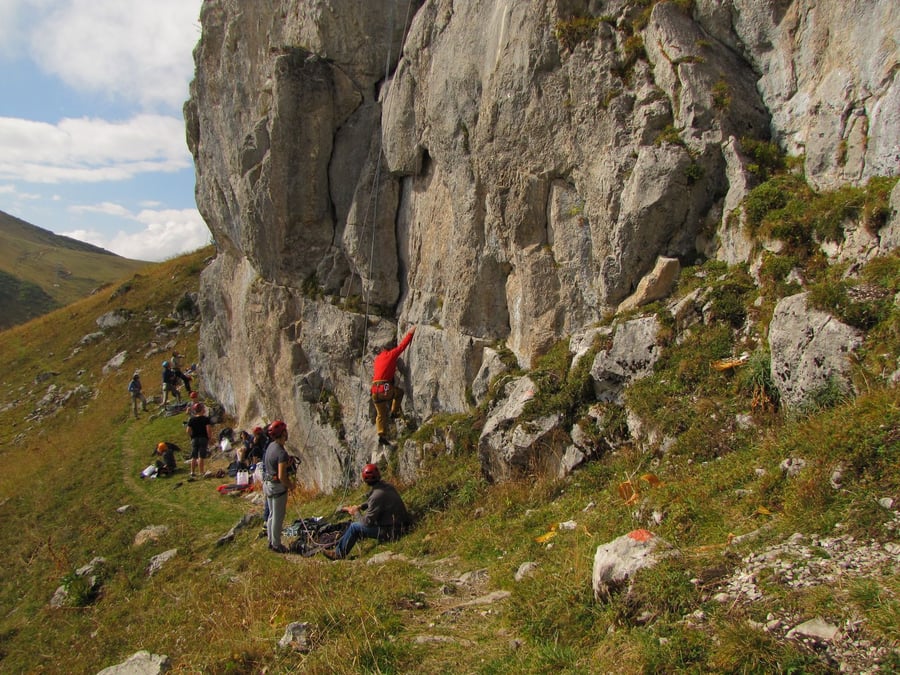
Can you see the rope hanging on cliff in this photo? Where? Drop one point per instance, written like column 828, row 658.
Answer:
column 369, row 220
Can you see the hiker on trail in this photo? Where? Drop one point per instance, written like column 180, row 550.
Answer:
column 385, row 394
column 199, row 429
column 135, row 388
column 166, row 465
column 169, row 383
column 179, row 373
column 277, row 482
column 384, row 518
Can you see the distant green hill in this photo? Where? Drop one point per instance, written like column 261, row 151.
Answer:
column 40, row 270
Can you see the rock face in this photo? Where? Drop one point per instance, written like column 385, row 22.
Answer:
column 810, row 350
column 488, row 173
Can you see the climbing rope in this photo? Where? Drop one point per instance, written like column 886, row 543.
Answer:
column 369, row 221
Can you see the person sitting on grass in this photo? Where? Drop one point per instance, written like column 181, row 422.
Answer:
column 257, row 448
column 166, row 464
column 385, row 516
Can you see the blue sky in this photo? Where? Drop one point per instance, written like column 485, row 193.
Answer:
column 92, row 139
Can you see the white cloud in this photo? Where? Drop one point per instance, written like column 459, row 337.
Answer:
column 136, row 55
column 106, row 208
column 138, row 51
column 166, row 233
column 91, row 150
column 10, row 29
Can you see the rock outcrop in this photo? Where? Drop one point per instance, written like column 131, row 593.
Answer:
column 489, row 171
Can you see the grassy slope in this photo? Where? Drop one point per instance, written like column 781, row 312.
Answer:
column 223, row 608
column 64, row 269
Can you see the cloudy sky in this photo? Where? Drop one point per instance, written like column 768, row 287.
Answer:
column 92, row 140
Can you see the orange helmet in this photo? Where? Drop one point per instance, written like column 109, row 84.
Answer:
column 161, row 447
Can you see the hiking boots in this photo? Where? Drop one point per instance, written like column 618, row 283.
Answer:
column 278, row 549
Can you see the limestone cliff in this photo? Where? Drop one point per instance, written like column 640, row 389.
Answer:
column 489, row 171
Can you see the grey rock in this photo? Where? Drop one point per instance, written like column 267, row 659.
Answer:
column 140, row 663
column 112, row 319
column 491, row 367
column 631, row 357
column 572, row 458
column 296, row 637
column 487, row 599
column 526, row 569
column 792, row 466
column 657, row 284
column 817, row 628
column 809, row 348
column 157, row 561
column 91, row 337
column 620, row 559
column 115, row 363
column 385, row 556
column 151, row 533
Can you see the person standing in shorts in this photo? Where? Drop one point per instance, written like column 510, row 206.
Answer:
column 199, row 429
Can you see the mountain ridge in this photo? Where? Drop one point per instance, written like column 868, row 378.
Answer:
column 41, row 270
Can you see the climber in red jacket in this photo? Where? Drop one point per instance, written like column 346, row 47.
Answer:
column 385, row 394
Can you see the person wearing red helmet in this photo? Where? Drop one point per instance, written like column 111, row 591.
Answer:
column 199, row 428
column 384, row 515
column 277, row 482
column 196, row 405
column 386, row 396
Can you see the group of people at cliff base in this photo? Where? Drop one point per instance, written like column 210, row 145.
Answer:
column 382, row 516
column 172, row 374
column 199, row 429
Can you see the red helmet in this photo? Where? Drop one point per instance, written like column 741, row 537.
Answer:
column 371, row 473
column 257, row 430
column 277, row 428
column 194, row 395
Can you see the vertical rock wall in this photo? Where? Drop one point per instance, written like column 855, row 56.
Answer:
column 484, row 171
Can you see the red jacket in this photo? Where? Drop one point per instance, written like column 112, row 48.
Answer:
column 386, row 362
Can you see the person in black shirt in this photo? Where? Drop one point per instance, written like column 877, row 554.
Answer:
column 199, row 429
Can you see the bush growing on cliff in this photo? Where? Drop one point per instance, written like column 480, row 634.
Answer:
column 786, row 208
column 572, row 32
